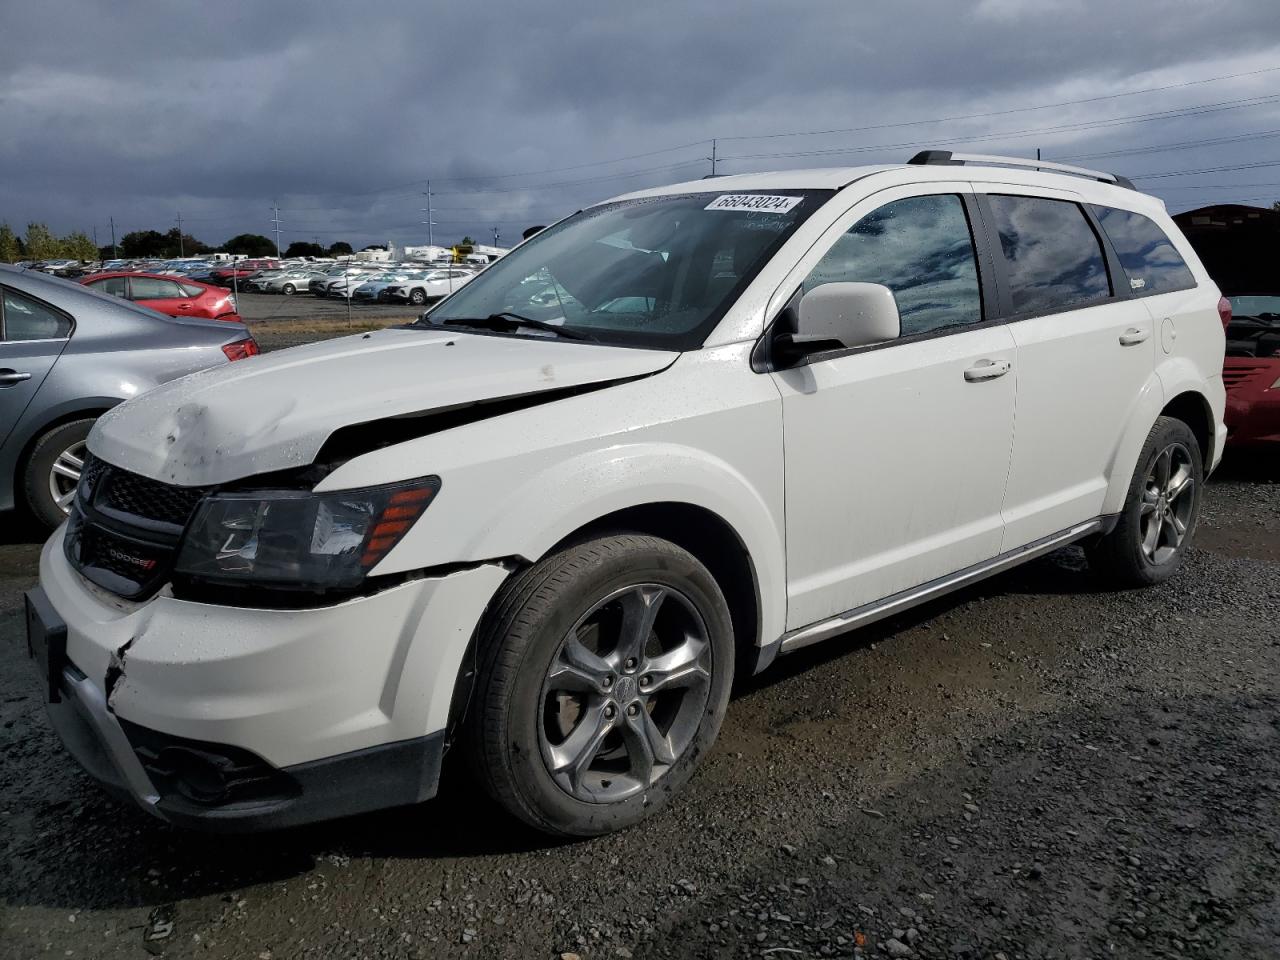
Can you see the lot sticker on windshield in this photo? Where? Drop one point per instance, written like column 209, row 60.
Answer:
column 763, row 203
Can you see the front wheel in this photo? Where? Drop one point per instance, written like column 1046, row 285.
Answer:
column 1159, row 516
column 288, row 289
column 53, row 471
column 417, row 297
column 604, row 676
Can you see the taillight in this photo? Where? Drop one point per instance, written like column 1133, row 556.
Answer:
column 1224, row 311
column 241, row 349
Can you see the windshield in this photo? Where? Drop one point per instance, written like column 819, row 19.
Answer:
column 654, row 272
column 1255, row 306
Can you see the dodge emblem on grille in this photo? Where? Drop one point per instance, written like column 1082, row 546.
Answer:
column 140, row 562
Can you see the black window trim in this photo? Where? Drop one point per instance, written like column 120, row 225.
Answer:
column 1119, row 270
column 761, row 354
column 4, row 287
column 1119, row 293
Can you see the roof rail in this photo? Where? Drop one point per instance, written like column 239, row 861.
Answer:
column 944, row 157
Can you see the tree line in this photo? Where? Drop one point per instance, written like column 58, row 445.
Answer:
column 41, row 243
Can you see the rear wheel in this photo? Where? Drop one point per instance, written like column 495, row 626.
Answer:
column 53, row 471
column 604, row 677
column 288, row 289
column 417, row 297
column 1159, row 516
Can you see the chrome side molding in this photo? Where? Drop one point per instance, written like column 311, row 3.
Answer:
column 906, row 599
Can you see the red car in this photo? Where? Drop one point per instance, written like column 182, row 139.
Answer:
column 1251, row 371
column 241, row 271
column 169, row 295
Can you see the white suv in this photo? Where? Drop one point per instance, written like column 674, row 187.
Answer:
column 660, row 443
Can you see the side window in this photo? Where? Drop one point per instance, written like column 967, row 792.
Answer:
column 1053, row 258
column 28, row 319
column 112, row 285
column 191, row 290
column 1151, row 262
column 149, row 288
column 922, row 250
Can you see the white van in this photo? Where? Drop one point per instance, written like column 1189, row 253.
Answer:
column 665, row 440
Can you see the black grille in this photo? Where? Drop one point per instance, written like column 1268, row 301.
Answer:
column 137, row 497
column 124, row 529
column 92, row 472
column 147, row 498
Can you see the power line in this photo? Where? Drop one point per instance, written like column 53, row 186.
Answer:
column 1191, row 173
column 999, row 113
column 808, row 133
column 1188, row 144
column 1073, row 127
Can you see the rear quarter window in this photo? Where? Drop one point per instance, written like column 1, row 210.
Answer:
column 1151, row 262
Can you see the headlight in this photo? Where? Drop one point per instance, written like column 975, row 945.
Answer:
column 298, row 539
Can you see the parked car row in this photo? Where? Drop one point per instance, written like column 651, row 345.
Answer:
column 366, row 282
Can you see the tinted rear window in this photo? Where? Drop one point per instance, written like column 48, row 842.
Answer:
column 1052, row 256
column 1151, row 262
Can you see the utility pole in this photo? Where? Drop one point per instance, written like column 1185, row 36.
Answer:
column 275, row 218
column 495, row 236
column 114, row 252
column 712, row 158
column 181, row 249
column 429, row 222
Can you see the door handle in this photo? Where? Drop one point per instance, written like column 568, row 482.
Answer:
column 9, row 378
column 1133, row 336
column 987, row 370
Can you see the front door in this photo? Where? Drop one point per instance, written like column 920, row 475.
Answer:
column 896, row 455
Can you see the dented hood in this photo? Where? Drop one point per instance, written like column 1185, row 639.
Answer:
column 274, row 412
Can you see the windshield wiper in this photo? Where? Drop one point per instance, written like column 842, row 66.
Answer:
column 505, row 319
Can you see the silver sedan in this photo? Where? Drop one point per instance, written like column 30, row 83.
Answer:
column 67, row 355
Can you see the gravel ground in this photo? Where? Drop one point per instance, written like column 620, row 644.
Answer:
column 1032, row 768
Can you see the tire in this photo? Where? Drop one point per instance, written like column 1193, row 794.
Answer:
column 527, row 718
column 417, row 297
column 45, row 476
column 1146, row 547
column 288, row 289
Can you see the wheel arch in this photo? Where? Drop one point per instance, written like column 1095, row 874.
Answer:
column 716, row 545
column 27, row 435
column 1187, row 404
column 1192, row 408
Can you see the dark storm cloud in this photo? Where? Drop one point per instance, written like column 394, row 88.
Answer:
column 339, row 111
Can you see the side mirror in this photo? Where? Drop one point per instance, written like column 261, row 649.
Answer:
column 847, row 315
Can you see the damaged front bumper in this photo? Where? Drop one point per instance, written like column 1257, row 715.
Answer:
column 234, row 718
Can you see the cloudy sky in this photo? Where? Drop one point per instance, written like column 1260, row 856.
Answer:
column 521, row 112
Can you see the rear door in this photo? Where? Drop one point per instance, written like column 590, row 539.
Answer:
column 1085, row 351
column 32, row 335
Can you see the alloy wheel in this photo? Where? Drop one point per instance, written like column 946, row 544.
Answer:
column 64, row 475
column 624, row 695
column 1168, row 499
